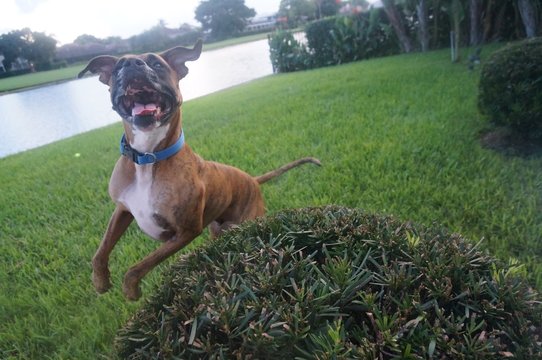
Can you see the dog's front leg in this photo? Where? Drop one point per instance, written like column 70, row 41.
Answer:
column 120, row 220
column 130, row 286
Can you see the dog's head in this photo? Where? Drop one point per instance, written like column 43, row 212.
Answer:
column 145, row 88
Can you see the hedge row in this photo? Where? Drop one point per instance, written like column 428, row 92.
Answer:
column 334, row 41
column 511, row 88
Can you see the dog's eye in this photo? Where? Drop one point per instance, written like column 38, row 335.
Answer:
column 157, row 65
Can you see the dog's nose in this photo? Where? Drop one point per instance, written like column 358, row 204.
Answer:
column 134, row 62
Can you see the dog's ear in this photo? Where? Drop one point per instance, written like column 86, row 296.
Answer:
column 177, row 56
column 102, row 65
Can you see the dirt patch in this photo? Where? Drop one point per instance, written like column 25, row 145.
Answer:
column 510, row 143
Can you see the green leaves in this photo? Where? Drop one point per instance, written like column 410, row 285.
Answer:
column 337, row 283
column 333, row 41
column 510, row 91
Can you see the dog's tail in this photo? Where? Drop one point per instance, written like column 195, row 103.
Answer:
column 281, row 170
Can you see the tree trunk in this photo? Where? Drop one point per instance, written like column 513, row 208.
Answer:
column 475, row 22
column 421, row 11
column 499, row 21
column 435, row 23
column 456, row 16
column 397, row 22
column 527, row 12
column 488, row 21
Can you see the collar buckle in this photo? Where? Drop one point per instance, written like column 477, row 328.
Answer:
column 150, row 157
column 128, row 151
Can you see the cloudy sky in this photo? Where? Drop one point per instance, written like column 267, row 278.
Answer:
column 67, row 19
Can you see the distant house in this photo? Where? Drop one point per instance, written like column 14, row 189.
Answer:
column 2, row 67
column 20, row 63
column 261, row 23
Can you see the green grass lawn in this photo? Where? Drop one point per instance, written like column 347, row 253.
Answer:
column 70, row 73
column 39, row 78
column 396, row 136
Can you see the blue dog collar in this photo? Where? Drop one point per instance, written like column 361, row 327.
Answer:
column 149, row 157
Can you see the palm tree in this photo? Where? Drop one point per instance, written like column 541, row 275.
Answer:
column 398, row 25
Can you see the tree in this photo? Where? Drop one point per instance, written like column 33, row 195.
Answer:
column 396, row 21
column 150, row 40
column 498, row 20
column 528, row 15
column 86, row 39
column 416, row 16
column 454, row 8
column 36, row 47
column 40, row 50
column 224, row 18
column 475, row 11
column 11, row 46
column 423, row 20
column 297, row 11
column 327, row 8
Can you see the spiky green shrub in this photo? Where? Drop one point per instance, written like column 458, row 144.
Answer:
column 510, row 90
column 337, row 283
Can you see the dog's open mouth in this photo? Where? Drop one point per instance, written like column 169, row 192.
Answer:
column 146, row 106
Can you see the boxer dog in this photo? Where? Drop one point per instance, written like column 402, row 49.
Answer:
column 171, row 192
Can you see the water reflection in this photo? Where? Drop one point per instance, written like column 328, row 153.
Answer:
column 40, row 116
column 219, row 69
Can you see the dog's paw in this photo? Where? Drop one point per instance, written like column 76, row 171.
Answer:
column 101, row 282
column 131, row 293
column 130, row 288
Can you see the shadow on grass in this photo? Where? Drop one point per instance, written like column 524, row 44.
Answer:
column 510, row 143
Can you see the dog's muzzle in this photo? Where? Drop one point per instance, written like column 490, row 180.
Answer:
column 143, row 102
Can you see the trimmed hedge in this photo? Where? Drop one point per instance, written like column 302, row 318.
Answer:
column 510, row 90
column 333, row 41
column 344, row 39
column 337, row 283
column 286, row 53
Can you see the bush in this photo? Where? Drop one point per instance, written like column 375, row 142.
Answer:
column 287, row 54
column 510, row 91
column 343, row 39
column 337, row 283
column 333, row 41
column 321, row 42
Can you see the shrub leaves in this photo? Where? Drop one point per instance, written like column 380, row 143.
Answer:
column 337, row 283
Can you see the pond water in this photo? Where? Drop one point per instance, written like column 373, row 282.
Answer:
column 43, row 115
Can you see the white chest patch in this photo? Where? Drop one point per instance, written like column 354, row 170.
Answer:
column 147, row 141
column 138, row 196
column 138, row 199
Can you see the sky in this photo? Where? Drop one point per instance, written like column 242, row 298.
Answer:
column 65, row 20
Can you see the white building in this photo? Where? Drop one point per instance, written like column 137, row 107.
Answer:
column 2, row 67
column 261, row 23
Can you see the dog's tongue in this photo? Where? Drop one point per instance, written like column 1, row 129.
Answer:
column 144, row 109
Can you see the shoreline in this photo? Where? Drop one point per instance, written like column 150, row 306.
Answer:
column 36, row 86
column 48, row 96
column 70, row 70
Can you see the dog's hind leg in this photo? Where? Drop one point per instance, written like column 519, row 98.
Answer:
column 217, row 228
